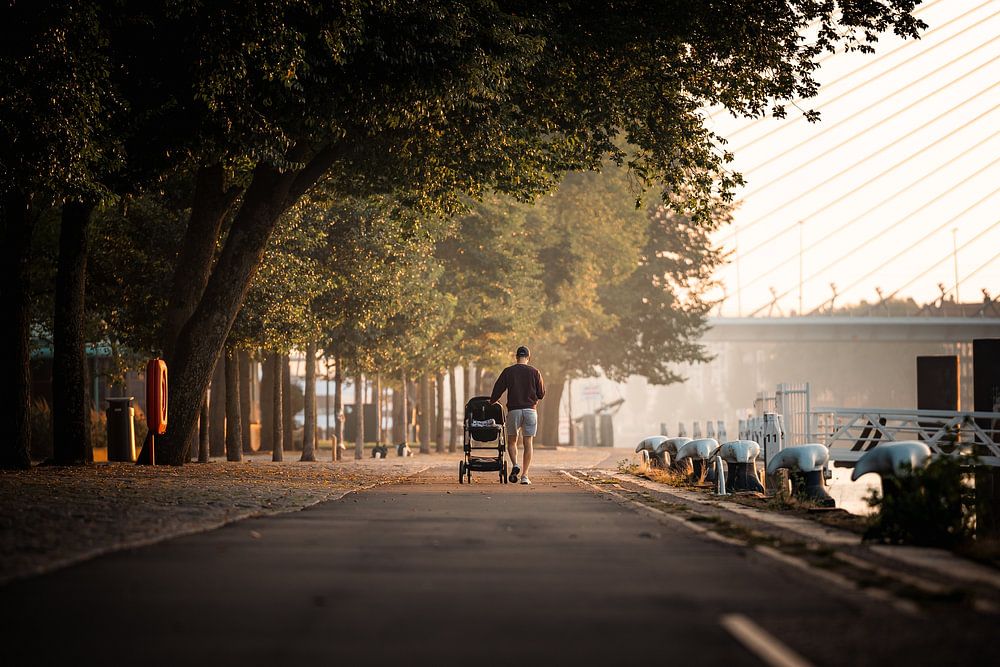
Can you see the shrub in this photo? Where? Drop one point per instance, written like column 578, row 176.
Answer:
column 932, row 506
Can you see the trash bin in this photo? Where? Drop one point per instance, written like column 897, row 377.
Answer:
column 121, row 429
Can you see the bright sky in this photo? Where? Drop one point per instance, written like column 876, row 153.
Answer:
column 904, row 166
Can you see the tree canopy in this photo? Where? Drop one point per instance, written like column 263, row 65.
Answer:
column 425, row 103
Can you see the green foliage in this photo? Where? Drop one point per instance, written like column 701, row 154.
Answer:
column 380, row 310
column 277, row 312
column 591, row 282
column 931, row 506
column 491, row 272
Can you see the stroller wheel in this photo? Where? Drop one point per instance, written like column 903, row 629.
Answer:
column 461, row 472
column 503, row 473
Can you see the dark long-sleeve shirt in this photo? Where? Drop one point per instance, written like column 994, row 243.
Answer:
column 523, row 384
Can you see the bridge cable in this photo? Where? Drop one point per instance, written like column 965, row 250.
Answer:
column 868, row 64
column 980, row 268
column 882, row 121
column 856, row 87
column 883, row 264
column 944, row 259
column 868, row 106
column 976, row 146
column 857, row 163
column 830, row 265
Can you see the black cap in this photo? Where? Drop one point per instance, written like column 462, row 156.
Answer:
column 522, row 352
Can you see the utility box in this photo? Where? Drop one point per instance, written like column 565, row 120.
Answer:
column 938, row 379
column 121, row 429
column 607, row 433
column 588, row 424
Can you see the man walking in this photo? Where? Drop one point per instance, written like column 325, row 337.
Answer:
column 524, row 387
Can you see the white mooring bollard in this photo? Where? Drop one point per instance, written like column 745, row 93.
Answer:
column 893, row 459
column 653, row 445
column 699, row 452
column 741, row 455
column 805, row 465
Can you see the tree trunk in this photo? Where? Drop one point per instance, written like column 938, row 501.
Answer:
column 569, row 411
column 286, row 403
column 217, row 411
column 246, row 405
column 203, row 419
column 431, row 410
column 201, row 339
column 453, row 432
column 309, row 424
column 377, row 390
column 277, row 432
column 326, row 401
column 359, row 412
column 212, row 202
column 234, row 421
column 338, row 407
column 71, row 416
column 397, row 416
column 467, row 382
column 15, row 388
column 425, row 414
column 440, row 413
column 266, row 401
column 548, row 414
column 406, row 409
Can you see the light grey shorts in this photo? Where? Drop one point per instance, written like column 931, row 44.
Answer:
column 525, row 420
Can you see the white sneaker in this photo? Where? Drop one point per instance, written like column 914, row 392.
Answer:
column 525, row 480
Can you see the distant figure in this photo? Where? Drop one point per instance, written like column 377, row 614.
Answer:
column 524, row 387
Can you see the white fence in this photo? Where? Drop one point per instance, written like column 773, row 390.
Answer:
column 850, row 432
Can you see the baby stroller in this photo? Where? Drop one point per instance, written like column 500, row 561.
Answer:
column 484, row 425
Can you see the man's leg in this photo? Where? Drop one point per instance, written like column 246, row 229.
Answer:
column 512, row 448
column 528, row 440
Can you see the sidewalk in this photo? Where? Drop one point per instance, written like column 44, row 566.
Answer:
column 52, row 516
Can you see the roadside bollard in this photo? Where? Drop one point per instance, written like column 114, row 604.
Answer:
column 681, row 431
column 720, row 477
column 805, row 465
column 892, row 460
column 669, row 448
column 709, row 429
column 644, row 461
column 696, row 430
column 658, row 457
column 720, row 431
column 741, row 455
column 699, row 452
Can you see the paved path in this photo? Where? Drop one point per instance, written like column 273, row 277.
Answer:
column 430, row 572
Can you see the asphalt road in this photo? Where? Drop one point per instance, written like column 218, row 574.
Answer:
column 430, row 572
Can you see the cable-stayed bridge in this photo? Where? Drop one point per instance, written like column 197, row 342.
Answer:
column 896, row 193
column 835, row 329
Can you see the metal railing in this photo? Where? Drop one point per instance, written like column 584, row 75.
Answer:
column 850, row 432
